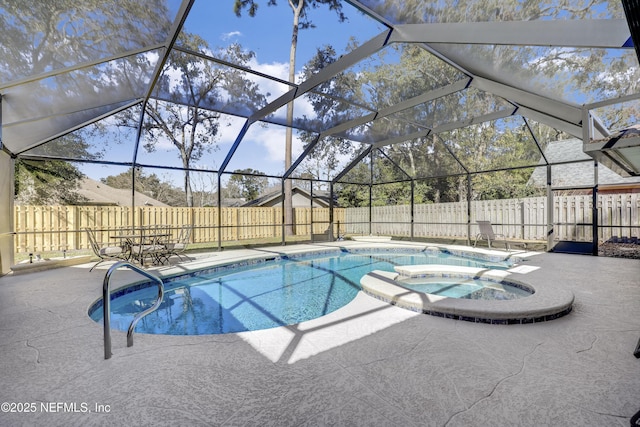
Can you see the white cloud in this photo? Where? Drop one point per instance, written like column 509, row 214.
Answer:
column 272, row 139
column 231, row 34
column 281, row 71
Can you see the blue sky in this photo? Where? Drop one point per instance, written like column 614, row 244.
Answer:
column 268, row 35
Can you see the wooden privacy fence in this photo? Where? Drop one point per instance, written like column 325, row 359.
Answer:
column 515, row 218
column 55, row 228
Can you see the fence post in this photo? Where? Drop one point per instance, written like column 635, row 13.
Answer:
column 522, row 220
column 549, row 210
column 75, row 226
column 412, row 205
column 594, row 210
column 283, row 214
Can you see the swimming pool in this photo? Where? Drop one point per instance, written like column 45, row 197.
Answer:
column 278, row 292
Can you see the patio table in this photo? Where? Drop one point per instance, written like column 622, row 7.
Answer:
column 138, row 246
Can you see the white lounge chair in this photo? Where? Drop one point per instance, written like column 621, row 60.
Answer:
column 486, row 233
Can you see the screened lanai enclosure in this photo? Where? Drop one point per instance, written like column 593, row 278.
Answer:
column 250, row 121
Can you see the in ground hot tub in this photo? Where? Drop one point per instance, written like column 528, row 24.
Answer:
column 466, row 287
column 467, row 293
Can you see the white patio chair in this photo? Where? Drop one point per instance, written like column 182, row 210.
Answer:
column 486, row 233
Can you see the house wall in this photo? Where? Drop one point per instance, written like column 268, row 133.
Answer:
column 628, row 189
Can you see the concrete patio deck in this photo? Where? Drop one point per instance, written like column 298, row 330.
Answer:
column 367, row 364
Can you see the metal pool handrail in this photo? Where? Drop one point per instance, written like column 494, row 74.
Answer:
column 106, row 304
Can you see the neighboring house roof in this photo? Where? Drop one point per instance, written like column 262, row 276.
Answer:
column 574, row 174
column 233, row 203
column 101, row 194
column 274, row 196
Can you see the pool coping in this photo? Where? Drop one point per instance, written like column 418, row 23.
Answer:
column 548, row 302
column 233, row 259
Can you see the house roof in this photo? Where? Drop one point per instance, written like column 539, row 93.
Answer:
column 102, row 194
column 229, row 202
column 320, row 197
column 574, row 174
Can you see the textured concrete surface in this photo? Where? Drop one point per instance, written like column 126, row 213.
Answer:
column 367, row 364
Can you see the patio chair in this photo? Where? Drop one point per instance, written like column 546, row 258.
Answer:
column 179, row 246
column 105, row 252
column 486, row 233
column 150, row 244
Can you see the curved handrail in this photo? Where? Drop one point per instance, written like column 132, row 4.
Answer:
column 106, row 304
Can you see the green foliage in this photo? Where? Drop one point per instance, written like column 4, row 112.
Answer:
column 302, row 6
column 247, row 184
column 401, row 72
column 352, row 195
column 504, row 185
column 52, row 182
column 328, row 152
column 150, row 185
column 40, row 36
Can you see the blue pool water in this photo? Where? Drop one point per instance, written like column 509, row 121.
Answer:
column 466, row 288
column 265, row 295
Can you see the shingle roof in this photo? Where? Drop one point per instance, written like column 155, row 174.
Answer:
column 275, row 193
column 574, row 174
column 102, row 194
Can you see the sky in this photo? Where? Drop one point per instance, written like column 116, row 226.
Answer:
column 268, row 35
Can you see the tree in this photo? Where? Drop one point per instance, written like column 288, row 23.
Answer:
column 594, row 73
column 247, row 184
column 150, row 185
column 301, row 20
column 47, row 183
column 187, row 90
column 382, row 85
column 205, row 188
column 499, row 144
column 55, row 181
column 419, row 11
column 354, row 192
column 328, row 152
column 40, row 36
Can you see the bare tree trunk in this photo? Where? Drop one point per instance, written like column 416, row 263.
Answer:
column 188, row 152
column 187, row 188
column 287, row 205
